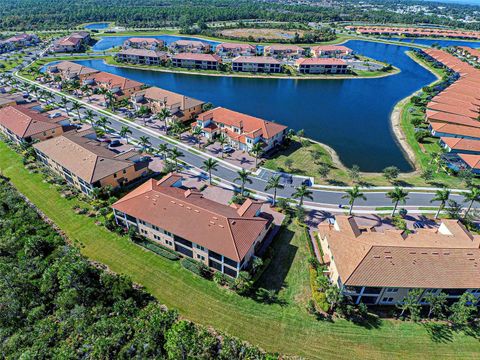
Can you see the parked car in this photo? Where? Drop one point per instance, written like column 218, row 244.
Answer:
column 228, row 149
column 115, row 143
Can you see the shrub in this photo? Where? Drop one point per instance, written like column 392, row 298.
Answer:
column 196, row 267
column 158, row 249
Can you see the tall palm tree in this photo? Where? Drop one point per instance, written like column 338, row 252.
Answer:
column 86, row 91
column 302, row 192
column 196, row 133
column 103, row 91
column 111, row 100
column 124, row 132
column 243, row 177
column 64, row 102
column 222, row 140
column 164, row 114
column 163, row 149
column 174, row 155
column 144, row 142
column 473, row 196
column 89, row 114
column 397, row 195
column 353, row 194
column 274, row 183
column 176, row 128
column 257, row 150
column 77, row 107
column 209, row 165
column 103, row 122
column 442, row 196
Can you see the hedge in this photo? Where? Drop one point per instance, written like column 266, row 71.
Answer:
column 195, row 267
column 158, row 249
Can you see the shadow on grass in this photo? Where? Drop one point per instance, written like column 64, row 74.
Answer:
column 336, row 182
column 439, row 333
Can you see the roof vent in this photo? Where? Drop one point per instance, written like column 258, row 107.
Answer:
column 196, row 210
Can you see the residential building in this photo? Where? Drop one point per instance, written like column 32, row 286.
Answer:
column 196, row 61
column 222, row 237
column 68, row 70
column 439, row 129
column 459, row 161
column 284, row 51
column 234, row 50
column 381, row 267
column 72, row 43
column 24, row 125
column 242, row 131
column 7, row 99
column 121, row 87
column 142, row 56
column 414, row 32
column 190, row 46
column 332, row 51
column 143, row 43
column 86, row 163
column 264, row 64
column 181, row 107
column 460, row 145
column 18, row 41
column 321, row 66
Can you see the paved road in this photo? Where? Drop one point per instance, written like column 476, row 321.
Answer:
column 227, row 173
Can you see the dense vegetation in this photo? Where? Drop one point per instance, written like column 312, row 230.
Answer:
column 59, row 14
column 55, row 304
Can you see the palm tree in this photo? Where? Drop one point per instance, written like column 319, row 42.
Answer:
column 103, row 91
column 174, row 155
column 257, row 150
column 164, row 114
column 196, row 133
column 243, row 177
column 111, row 99
column 64, row 102
column 274, row 183
column 163, row 149
column 86, row 91
column 144, row 142
column 302, row 192
column 353, row 194
column 176, row 128
column 124, row 132
column 442, row 196
column 397, row 195
column 103, row 122
column 89, row 115
column 473, row 196
column 209, row 165
column 76, row 107
column 222, row 140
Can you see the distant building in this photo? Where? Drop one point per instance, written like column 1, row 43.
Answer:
column 142, row 56
column 224, row 238
column 336, row 51
column 190, row 46
column 18, row 41
column 376, row 267
column 8, row 99
column 234, row 50
column 284, row 51
column 196, row 61
column 264, row 64
column 68, row 70
column 121, row 87
column 86, row 163
column 143, row 43
column 72, row 43
column 321, row 66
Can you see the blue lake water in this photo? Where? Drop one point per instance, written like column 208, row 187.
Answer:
column 441, row 42
column 352, row 115
column 97, row 26
column 107, row 42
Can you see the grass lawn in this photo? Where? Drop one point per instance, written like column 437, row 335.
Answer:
column 287, row 329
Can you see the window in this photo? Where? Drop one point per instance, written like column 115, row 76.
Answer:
column 168, row 242
column 115, row 175
column 215, row 256
column 371, row 290
column 387, row 299
column 230, row 262
column 124, row 171
column 199, row 247
column 142, row 222
column 200, row 257
column 167, row 233
column 183, row 250
column 229, row 272
column 391, row 290
column 215, row 265
column 155, row 228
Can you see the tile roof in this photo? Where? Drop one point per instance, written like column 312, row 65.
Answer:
column 143, row 52
column 461, row 144
column 320, row 61
column 114, row 80
column 415, row 31
column 233, row 46
column 453, row 109
column 256, row 60
column 280, row 47
column 169, row 97
column 194, row 56
column 72, row 68
column 191, row 43
column 329, row 48
column 247, row 123
column 149, row 41
column 471, row 160
column 186, row 213
column 25, row 122
column 439, row 116
column 454, row 129
column 447, row 257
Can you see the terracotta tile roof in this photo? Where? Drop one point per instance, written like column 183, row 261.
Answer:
column 471, row 160
column 72, row 68
column 461, row 144
column 320, row 61
column 280, row 47
column 437, row 116
column 331, row 48
column 450, row 98
column 415, row 31
column 141, row 40
column 453, row 109
column 24, row 122
column 199, row 57
column 112, row 81
column 143, row 52
column 188, row 214
column 247, row 123
column 70, row 41
column 447, row 257
column 256, row 60
column 169, row 98
column 454, row 129
column 89, row 159
column 191, row 43
column 233, row 46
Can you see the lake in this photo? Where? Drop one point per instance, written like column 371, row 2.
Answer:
column 351, row 115
column 441, row 42
column 97, row 26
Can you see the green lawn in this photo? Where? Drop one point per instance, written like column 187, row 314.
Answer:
column 287, row 329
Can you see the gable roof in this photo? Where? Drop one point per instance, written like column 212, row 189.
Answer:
column 321, row 61
column 169, row 97
column 115, row 81
column 461, row 144
column 25, row 122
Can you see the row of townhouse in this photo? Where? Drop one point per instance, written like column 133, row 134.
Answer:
column 142, row 56
column 224, row 238
column 453, row 115
column 381, row 267
column 143, row 43
column 17, row 42
column 469, row 53
column 414, row 32
column 72, row 43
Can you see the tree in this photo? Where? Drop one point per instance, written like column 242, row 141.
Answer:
column 463, row 311
column 176, row 128
column 175, row 154
column 324, row 170
column 472, row 196
column 64, row 103
column 104, row 92
column 185, row 341
column 289, row 163
column 466, row 176
column 302, row 192
column 274, row 183
column 257, row 264
column 427, row 175
column 243, row 177
column 354, row 173
column 436, row 304
column 353, row 194
column 124, row 132
column 103, row 122
column 442, row 196
column 421, row 135
column 163, row 149
column 411, row 304
column 144, row 142
column 89, row 115
column 209, row 165
column 397, row 195
column 454, row 209
column 196, row 133
column 86, row 91
column 222, row 140
column 111, row 99
column 257, row 150
column 333, row 297
column 391, row 173
column 77, row 107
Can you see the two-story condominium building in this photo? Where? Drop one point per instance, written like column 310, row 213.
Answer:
column 85, row 163
column 284, row 51
column 243, row 131
column 382, row 267
column 181, row 107
column 190, row 46
column 196, row 61
column 265, row 64
column 18, row 41
column 121, row 87
column 68, row 70
column 439, row 129
column 335, row 51
column 143, row 43
column 142, row 56
column 460, row 145
column 321, row 66
column 24, row 125
column 72, row 43
column 8, row 99
column 220, row 236
column 234, row 50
